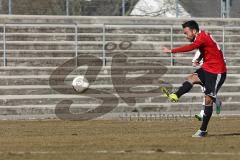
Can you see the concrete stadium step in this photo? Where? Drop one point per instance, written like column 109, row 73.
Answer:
column 159, row 108
column 193, row 101
column 119, row 29
column 93, row 37
column 101, row 79
column 34, row 28
column 53, row 28
column 114, row 28
column 16, row 100
column 140, row 88
column 198, row 97
column 27, row 70
column 50, row 53
column 108, row 37
column 57, row 61
column 91, row 45
column 96, row 98
column 99, row 53
column 86, row 45
column 115, row 20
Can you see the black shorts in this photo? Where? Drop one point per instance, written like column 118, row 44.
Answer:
column 210, row 81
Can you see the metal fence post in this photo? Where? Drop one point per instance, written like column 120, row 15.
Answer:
column 222, row 9
column 172, row 63
column 228, row 8
column 9, row 7
column 223, row 40
column 225, row 8
column 104, row 43
column 67, row 7
column 177, row 8
column 4, row 45
column 76, row 43
column 123, row 8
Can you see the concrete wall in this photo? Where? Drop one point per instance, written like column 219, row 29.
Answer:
column 235, row 11
column 209, row 8
column 58, row 7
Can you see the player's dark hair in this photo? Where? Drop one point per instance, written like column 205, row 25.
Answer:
column 191, row 24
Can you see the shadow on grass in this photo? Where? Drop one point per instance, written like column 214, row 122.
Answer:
column 224, row 135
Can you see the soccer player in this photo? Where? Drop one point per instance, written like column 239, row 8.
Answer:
column 211, row 75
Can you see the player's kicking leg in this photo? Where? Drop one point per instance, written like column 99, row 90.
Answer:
column 172, row 97
column 185, row 88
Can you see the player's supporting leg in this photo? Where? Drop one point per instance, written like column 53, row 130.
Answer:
column 218, row 104
column 208, row 110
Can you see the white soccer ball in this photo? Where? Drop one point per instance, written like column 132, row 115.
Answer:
column 80, row 83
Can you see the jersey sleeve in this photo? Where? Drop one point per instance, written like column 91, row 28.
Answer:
column 186, row 48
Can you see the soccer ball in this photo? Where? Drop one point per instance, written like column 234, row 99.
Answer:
column 80, row 83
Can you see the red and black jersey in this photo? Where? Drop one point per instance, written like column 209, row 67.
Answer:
column 213, row 58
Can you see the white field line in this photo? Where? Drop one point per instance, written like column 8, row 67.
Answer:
column 131, row 151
